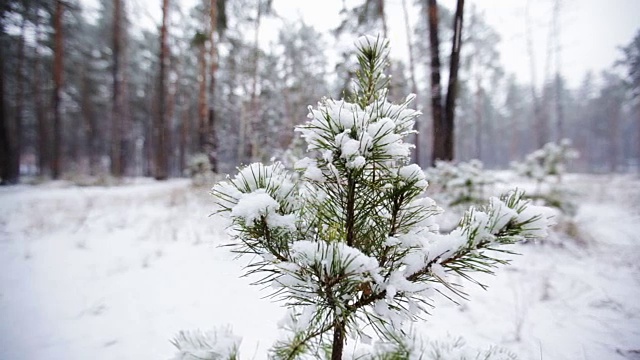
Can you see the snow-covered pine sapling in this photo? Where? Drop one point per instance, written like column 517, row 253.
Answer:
column 462, row 183
column 546, row 166
column 200, row 169
column 548, row 162
column 350, row 244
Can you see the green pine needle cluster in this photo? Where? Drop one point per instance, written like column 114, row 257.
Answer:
column 348, row 241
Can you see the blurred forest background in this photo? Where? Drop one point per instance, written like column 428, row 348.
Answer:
column 97, row 94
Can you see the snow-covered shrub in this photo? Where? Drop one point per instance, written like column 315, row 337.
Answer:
column 200, row 170
column 464, row 183
column 546, row 166
column 217, row 344
column 549, row 162
column 350, row 244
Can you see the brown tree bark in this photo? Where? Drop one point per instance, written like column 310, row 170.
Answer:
column 117, row 168
column 412, row 78
column 5, row 141
column 382, row 15
column 89, row 123
column 337, row 346
column 212, row 141
column 160, row 130
column 443, row 124
column 436, row 91
column 452, row 91
column 58, row 61
column 254, row 132
column 203, row 128
column 185, row 129
column 43, row 147
column 16, row 141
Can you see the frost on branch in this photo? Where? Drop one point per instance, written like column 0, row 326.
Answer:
column 349, row 242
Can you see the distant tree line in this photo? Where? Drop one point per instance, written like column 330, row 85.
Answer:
column 96, row 94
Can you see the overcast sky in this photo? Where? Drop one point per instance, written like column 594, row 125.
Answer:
column 591, row 31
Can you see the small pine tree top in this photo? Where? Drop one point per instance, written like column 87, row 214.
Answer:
column 350, row 242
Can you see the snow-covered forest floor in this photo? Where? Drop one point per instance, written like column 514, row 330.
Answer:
column 116, row 272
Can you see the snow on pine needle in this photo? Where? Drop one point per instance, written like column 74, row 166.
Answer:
column 349, row 240
column 217, row 344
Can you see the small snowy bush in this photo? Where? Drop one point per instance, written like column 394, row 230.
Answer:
column 461, row 183
column 200, row 170
column 350, row 243
column 549, row 162
column 546, row 167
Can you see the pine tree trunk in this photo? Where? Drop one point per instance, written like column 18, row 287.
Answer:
column 452, row 92
column 479, row 107
column 559, row 107
column 43, row 151
column 171, row 112
column 160, row 127
column 16, row 142
column 5, row 141
column 436, row 92
column 381, row 14
column 253, row 127
column 88, row 115
column 57, row 90
column 117, row 111
column 185, row 129
column 614, row 136
column 337, row 347
column 212, row 139
column 540, row 121
column 202, row 98
column 412, row 78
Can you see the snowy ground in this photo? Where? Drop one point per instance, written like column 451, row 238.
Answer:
column 114, row 273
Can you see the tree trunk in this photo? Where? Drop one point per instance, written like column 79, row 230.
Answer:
column 479, row 110
column 117, row 110
column 16, row 143
column 254, row 133
column 212, row 140
column 337, row 347
column 540, row 121
column 44, row 159
column 89, row 126
column 452, row 92
column 185, row 128
column 614, row 110
column 202, row 98
column 5, row 141
column 412, row 78
column 57, row 90
column 160, row 127
column 436, row 92
column 381, row 14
